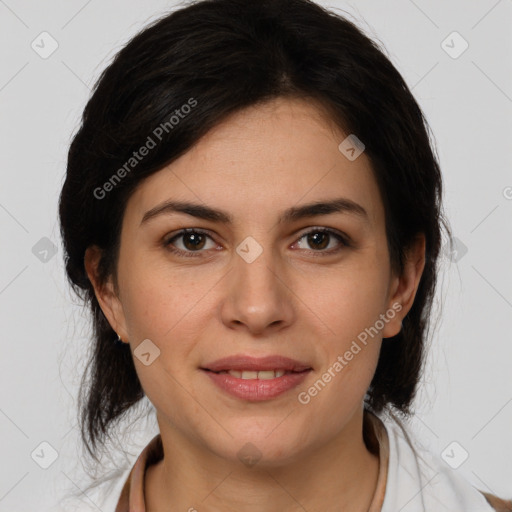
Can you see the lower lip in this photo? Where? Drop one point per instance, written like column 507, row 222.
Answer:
column 257, row 390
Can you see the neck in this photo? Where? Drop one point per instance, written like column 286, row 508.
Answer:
column 343, row 469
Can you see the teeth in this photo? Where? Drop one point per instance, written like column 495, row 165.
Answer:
column 262, row 375
column 269, row 374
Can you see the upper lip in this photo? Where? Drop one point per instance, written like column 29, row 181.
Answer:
column 244, row 362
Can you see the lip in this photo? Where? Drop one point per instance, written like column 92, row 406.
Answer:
column 243, row 362
column 256, row 390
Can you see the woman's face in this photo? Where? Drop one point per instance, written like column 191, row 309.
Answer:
column 274, row 280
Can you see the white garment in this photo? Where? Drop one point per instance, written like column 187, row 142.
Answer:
column 423, row 483
column 416, row 482
column 102, row 498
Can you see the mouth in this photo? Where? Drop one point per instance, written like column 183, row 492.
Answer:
column 256, row 379
column 257, row 374
column 246, row 363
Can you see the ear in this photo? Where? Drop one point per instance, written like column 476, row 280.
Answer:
column 107, row 297
column 403, row 288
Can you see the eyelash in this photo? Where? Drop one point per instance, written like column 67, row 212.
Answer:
column 194, row 254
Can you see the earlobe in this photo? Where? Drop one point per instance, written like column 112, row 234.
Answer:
column 405, row 286
column 105, row 293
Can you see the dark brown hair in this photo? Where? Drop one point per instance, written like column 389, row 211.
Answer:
column 226, row 55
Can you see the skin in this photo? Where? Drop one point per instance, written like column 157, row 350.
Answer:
column 295, row 299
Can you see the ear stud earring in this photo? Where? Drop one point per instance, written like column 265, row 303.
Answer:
column 119, row 342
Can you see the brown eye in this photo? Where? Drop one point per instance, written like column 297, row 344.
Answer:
column 193, row 241
column 319, row 239
column 189, row 241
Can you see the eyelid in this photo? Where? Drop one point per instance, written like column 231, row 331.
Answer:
column 324, row 229
column 167, row 241
column 334, row 233
column 342, row 237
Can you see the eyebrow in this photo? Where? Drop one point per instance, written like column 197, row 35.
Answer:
column 339, row 205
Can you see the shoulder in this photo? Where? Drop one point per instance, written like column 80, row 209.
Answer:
column 419, row 481
column 497, row 503
column 117, row 488
column 101, row 495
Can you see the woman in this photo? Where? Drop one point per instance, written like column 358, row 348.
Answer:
column 252, row 210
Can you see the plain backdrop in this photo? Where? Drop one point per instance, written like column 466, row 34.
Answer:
column 466, row 94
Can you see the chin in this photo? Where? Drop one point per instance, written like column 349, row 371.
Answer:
column 264, row 444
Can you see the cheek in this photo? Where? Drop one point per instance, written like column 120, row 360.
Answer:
column 345, row 301
column 339, row 389
column 346, row 308
column 165, row 310
column 170, row 309
column 158, row 299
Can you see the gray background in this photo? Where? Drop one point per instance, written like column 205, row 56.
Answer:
column 467, row 391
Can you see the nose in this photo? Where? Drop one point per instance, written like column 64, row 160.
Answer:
column 258, row 297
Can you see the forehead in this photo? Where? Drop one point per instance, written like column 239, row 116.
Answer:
column 262, row 160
